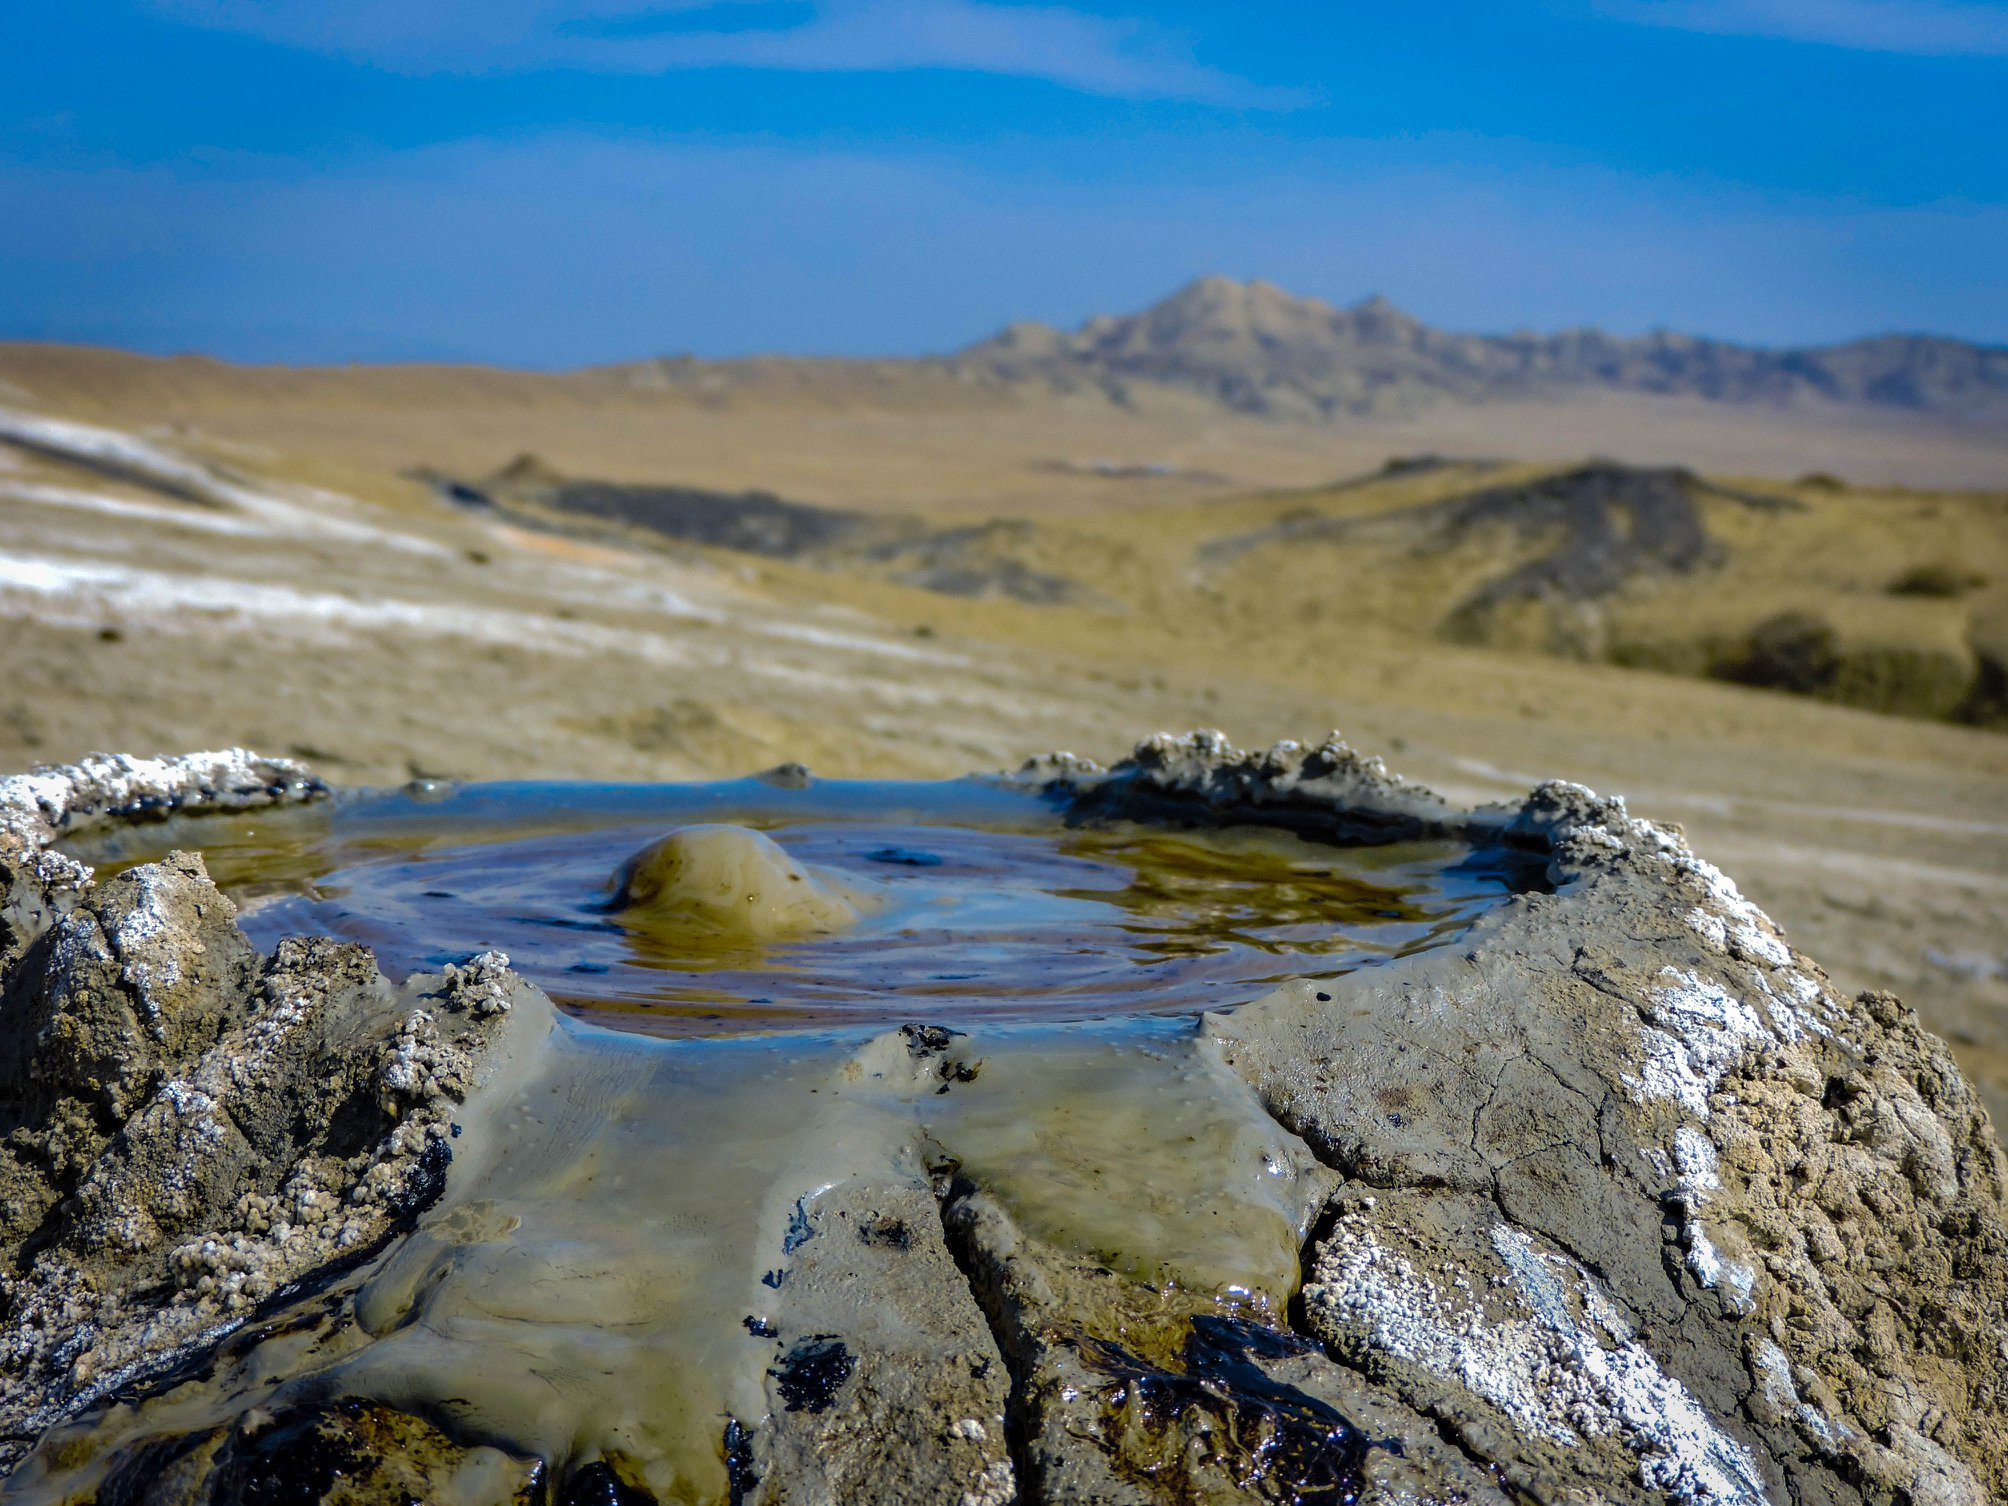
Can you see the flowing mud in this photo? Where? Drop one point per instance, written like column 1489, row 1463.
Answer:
column 1560, row 1176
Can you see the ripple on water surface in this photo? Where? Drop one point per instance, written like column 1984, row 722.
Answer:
column 974, row 901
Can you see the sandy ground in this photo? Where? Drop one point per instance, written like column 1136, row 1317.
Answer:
column 394, row 636
column 887, row 436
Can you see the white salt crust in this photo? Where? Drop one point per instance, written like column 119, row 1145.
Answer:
column 39, row 806
column 1544, row 1345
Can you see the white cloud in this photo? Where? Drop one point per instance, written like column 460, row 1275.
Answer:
column 1116, row 56
column 1939, row 28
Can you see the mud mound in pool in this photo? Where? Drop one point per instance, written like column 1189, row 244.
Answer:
column 835, row 904
column 1611, row 1199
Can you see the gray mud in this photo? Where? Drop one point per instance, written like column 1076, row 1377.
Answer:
column 1611, row 1199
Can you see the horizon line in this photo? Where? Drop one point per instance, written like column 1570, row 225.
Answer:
column 948, row 355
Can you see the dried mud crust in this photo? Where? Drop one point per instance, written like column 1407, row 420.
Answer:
column 1613, row 1199
column 1633, row 1203
column 189, row 1131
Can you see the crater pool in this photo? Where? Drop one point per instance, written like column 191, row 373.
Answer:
column 977, row 901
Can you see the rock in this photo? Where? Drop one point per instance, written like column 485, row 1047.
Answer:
column 143, row 973
column 1609, row 1199
column 45, row 803
column 887, row 1384
column 193, row 1132
column 1131, row 1394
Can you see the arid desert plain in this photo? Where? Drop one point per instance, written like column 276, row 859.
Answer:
column 1780, row 622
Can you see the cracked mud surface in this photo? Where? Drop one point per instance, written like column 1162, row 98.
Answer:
column 1613, row 1198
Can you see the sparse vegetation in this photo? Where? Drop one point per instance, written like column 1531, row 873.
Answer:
column 1796, row 651
column 1938, row 578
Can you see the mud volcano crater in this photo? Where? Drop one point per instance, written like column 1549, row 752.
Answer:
column 790, row 903
column 1218, row 1126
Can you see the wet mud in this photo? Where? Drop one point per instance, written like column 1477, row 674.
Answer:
column 1604, row 1194
column 710, row 909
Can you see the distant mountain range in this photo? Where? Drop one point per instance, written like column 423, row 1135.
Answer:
column 1255, row 348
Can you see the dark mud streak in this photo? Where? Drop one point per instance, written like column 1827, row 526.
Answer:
column 812, row 1373
column 597, row 1484
column 1310, row 818
column 740, row 1479
column 298, row 787
column 130, row 1483
column 146, row 478
column 800, row 1230
column 197, row 1360
column 1284, row 1445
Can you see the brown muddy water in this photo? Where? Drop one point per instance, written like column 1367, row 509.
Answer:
column 975, row 901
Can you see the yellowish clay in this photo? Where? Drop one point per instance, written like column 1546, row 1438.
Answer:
column 734, row 883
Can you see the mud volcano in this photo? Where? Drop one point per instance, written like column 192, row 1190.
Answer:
column 1214, row 1127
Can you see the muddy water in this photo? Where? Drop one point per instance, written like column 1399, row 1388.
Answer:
column 976, row 902
column 615, row 1265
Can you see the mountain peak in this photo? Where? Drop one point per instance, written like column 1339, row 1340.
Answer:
column 1256, row 347
column 1223, row 296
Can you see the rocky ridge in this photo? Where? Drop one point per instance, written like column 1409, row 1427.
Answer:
column 1255, row 348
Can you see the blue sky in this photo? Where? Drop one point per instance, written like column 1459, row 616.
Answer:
column 557, row 182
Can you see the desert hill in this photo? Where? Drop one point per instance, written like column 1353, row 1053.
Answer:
column 352, row 566
column 1894, row 602
column 1255, row 348
column 960, row 433
column 1216, row 348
